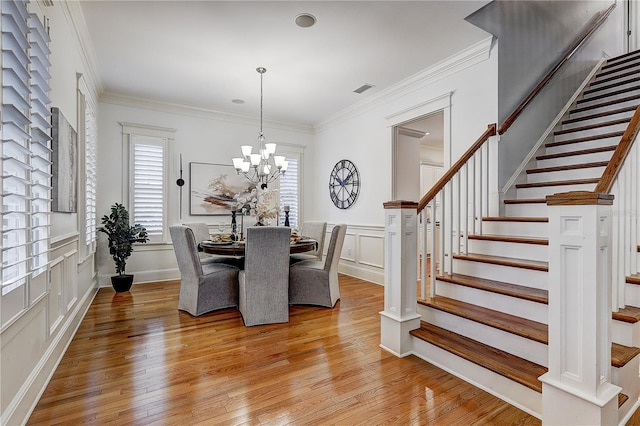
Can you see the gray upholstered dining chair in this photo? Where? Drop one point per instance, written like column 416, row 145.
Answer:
column 203, row 287
column 313, row 282
column 264, row 282
column 317, row 231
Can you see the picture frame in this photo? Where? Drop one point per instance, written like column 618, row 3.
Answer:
column 215, row 188
column 64, row 167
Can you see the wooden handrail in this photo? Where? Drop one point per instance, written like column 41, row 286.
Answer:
column 619, row 155
column 577, row 45
column 491, row 131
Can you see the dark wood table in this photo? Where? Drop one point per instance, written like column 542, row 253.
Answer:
column 237, row 250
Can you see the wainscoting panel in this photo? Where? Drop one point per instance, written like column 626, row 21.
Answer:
column 362, row 252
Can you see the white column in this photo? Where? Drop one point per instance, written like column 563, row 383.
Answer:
column 577, row 389
column 400, row 277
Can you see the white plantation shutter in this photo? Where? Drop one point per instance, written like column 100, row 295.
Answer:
column 91, row 179
column 289, row 186
column 26, row 156
column 148, row 207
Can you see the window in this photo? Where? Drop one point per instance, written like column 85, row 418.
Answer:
column 87, row 137
column 289, row 186
column 148, row 177
column 26, row 152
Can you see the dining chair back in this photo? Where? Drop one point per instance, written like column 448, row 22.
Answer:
column 317, row 231
column 313, row 282
column 264, row 282
column 203, row 287
column 201, row 233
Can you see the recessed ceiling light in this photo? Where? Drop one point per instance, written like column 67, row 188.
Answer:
column 305, row 20
column 237, row 101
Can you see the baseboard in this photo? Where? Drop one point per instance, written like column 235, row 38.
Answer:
column 20, row 408
column 353, row 270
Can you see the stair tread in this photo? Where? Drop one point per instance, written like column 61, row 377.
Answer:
column 522, row 327
column 622, row 398
column 584, row 139
column 525, row 201
column 505, row 261
column 601, row 114
column 568, row 167
column 557, row 183
column 617, row 67
column 510, row 366
column 611, row 85
column 578, row 152
column 518, row 219
column 593, row 126
column 633, row 279
column 605, row 104
column 630, row 314
column 606, row 95
column 510, row 239
column 629, row 56
column 499, row 287
column 616, row 77
column 621, row 354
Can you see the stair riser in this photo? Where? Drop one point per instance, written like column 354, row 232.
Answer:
column 590, row 132
column 575, row 159
column 632, row 294
column 509, row 274
column 625, row 333
column 526, row 193
column 522, row 229
column 627, row 378
column 618, row 70
column 617, row 62
column 597, row 98
column 597, row 120
column 527, row 210
column 564, row 175
column 604, row 108
column 519, row 346
column 598, row 143
column 518, row 395
column 605, row 89
column 506, row 249
column 533, row 311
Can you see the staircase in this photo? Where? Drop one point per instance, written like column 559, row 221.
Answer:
column 488, row 320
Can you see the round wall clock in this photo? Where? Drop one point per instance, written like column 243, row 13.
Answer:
column 344, row 184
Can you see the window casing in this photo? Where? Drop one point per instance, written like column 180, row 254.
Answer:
column 26, row 155
column 147, row 183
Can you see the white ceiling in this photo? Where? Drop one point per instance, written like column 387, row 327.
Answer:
column 204, row 53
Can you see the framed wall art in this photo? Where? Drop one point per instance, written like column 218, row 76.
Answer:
column 215, row 188
column 64, row 168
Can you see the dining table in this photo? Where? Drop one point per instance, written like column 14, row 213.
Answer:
column 233, row 248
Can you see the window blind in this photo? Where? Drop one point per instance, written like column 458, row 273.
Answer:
column 148, row 184
column 289, row 192
column 26, row 148
column 90, row 176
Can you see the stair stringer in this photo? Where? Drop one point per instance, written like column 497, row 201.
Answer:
column 497, row 385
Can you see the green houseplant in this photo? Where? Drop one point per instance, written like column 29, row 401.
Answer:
column 121, row 238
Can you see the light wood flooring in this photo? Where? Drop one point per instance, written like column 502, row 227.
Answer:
column 137, row 360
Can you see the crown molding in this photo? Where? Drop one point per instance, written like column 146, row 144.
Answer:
column 466, row 58
column 75, row 17
column 191, row 111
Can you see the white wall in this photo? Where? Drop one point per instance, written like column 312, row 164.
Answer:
column 363, row 136
column 200, row 137
column 32, row 345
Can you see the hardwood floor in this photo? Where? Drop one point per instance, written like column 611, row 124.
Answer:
column 137, row 360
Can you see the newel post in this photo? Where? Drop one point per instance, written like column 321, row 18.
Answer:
column 400, row 277
column 577, row 389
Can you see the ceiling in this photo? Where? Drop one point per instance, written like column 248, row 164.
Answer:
column 204, row 54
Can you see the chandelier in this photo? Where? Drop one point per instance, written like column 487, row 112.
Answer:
column 263, row 166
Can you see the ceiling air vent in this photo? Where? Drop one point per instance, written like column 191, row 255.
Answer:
column 364, row 88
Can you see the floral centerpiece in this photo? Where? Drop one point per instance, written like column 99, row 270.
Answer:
column 264, row 204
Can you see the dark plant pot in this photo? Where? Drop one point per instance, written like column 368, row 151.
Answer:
column 121, row 283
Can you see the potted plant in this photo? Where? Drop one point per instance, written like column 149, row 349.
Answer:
column 121, row 238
